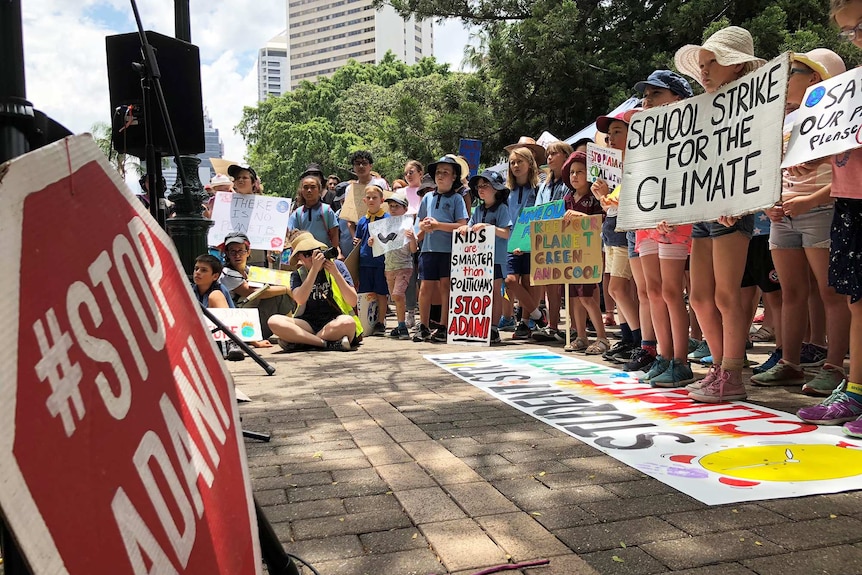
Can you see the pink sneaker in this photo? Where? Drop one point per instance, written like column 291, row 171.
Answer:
column 710, row 376
column 727, row 386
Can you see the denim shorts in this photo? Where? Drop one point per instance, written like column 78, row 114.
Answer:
column 745, row 224
column 631, row 239
column 810, row 230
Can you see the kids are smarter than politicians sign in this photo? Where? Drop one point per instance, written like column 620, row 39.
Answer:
column 713, row 155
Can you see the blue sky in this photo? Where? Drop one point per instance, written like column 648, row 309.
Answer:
column 64, row 50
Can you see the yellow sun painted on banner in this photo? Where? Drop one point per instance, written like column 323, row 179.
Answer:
column 786, row 462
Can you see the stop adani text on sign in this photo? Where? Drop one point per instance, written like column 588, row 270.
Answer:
column 713, row 155
column 120, row 446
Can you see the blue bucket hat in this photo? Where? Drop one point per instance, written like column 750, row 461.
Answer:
column 667, row 80
column 494, row 178
column 432, row 168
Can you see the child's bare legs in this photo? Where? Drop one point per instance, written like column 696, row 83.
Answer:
column 427, row 292
column 855, row 341
column 694, row 331
column 594, row 311
column 651, row 271
column 577, row 315
column 610, row 304
column 519, row 288
column 643, row 301
column 400, row 307
column 296, row 330
column 702, row 295
column 443, row 291
column 496, row 301
column 507, row 306
column 619, row 289
column 728, row 268
column 835, row 304
column 672, row 272
column 382, row 307
column 817, row 314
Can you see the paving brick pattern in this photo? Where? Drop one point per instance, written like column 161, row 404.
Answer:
column 382, row 464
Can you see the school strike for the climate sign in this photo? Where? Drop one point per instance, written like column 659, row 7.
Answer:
column 713, row 155
column 829, row 120
column 567, row 252
column 471, row 287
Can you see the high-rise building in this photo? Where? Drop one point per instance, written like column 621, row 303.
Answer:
column 322, row 35
column 273, row 69
column 213, row 148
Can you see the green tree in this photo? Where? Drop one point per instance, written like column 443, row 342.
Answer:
column 394, row 110
column 101, row 132
column 557, row 64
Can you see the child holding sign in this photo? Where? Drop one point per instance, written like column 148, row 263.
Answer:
column 616, row 245
column 579, row 203
column 716, row 265
column 372, row 279
column 493, row 213
column 845, row 259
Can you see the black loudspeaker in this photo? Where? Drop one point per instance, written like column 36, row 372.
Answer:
column 180, row 66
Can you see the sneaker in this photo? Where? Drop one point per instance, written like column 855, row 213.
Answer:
column 782, row 373
column 659, row 366
column 678, row 374
column 506, row 324
column 542, row 321
column 641, row 360
column 853, row 428
column 836, row 409
column 495, row 335
column 378, row 329
column 439, row 335
column 825, row 382
column 625, row 355
column 545, row 334
column 769, row 363
column 693, row 344
column 727, row 386
column 700, row 384
column 422, row 334
column 410, row 319
column 701, row 352
column 560, row 335
column 400, row 332
column 812, row 355
column 233, row 352
column 522, row 331
column 618, row 347
column 342, row 344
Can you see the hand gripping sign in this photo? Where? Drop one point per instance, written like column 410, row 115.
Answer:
column 120, row 448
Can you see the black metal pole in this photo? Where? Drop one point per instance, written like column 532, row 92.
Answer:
column 182, row 21
column 16, row 113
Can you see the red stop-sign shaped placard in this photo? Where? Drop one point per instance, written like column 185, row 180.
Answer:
column 120, row 449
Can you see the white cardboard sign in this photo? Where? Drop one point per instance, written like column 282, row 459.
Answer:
column 713, row 155
column 828, row 121
column 262, row 218
column 471, row 288
column 388, row 233
column 605, row 164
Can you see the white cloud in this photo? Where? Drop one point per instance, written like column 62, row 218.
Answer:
column 65, row 61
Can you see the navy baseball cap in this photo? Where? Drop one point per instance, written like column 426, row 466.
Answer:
column 667, row 80
column 494, row 178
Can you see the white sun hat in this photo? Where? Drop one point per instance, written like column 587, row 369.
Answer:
column 731, row 45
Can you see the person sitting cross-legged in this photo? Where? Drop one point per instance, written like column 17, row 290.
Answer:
column 325, row 296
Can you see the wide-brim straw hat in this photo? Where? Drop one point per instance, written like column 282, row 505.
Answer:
column 539, row 152
column 823, row 61
column 732, row 45
column 302, row 243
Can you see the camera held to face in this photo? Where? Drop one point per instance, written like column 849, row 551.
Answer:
column 331, row 253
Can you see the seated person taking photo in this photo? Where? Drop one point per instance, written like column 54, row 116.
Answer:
column 325, row 296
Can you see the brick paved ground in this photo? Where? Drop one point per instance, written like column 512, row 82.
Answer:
column 383, row 464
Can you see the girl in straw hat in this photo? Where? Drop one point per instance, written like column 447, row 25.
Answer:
column 716, row 268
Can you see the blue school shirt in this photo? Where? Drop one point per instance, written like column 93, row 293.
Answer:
column 366, row 252
column 445, row 208
column 551, row 191
column 498, row 215
column 519, row 198
column 317, row 220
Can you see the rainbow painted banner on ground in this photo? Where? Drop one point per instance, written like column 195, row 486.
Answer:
column 715, row 453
